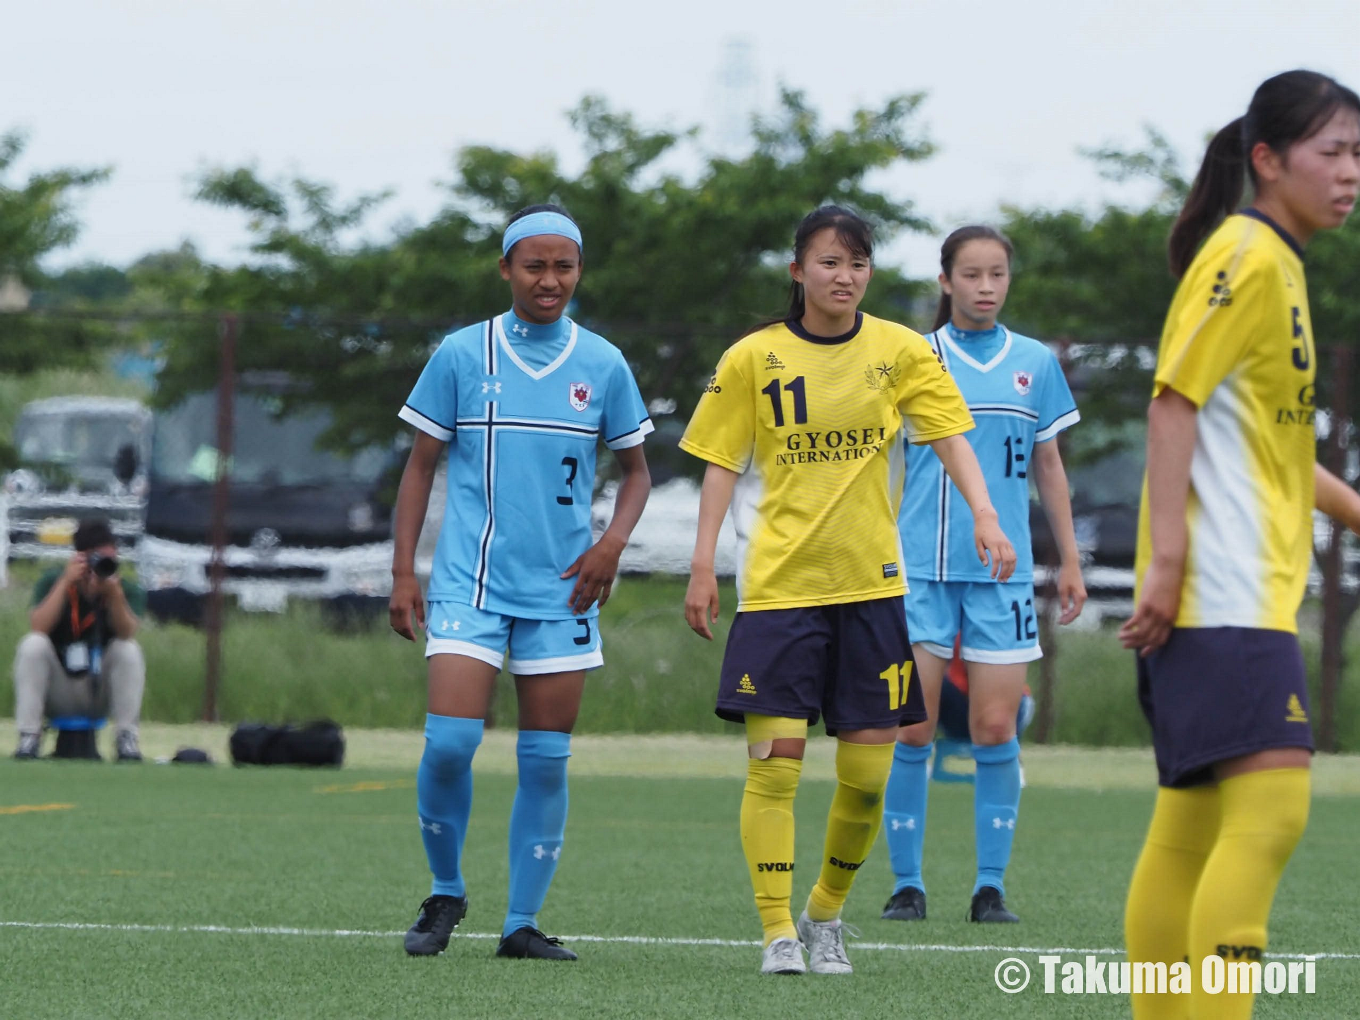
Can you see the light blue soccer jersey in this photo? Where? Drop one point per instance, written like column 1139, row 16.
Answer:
column 522, row 408
column 1016, row 391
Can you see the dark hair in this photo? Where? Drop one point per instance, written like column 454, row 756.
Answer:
column 852, row 230
column 92, row 533
column 950, row 250
column 1287, row 108
column 529, row 210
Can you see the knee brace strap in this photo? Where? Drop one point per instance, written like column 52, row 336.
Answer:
column 763, row 730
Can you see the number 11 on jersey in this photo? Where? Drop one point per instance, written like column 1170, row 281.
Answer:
column 899, row 680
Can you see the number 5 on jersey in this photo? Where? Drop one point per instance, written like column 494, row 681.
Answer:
column 899, row 680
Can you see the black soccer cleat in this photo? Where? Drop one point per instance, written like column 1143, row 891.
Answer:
column 989, row 908
column 531, row 944
column 907, row 904
column 439, row 915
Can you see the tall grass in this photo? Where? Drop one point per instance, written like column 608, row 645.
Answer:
column 658, row 676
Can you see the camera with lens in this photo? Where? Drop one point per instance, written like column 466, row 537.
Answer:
column 103, row 566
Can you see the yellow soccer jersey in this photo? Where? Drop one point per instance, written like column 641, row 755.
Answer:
column 1238, row 342
column 811, row 425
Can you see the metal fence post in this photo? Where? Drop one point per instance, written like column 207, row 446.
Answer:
column 226, row 387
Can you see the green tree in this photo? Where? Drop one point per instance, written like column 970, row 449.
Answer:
column 675, row 266
column 37, row 217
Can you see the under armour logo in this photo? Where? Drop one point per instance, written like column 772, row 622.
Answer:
column 488, row 387
column 909, row 824
column 540, row 853
column 519, row 330
column 444, row 626
column 997, row 823
column 434, row 827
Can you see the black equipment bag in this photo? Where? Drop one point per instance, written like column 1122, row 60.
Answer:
column 321, row 742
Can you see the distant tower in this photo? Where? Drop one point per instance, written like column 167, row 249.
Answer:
column 737, row 97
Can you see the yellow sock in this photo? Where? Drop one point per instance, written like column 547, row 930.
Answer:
column 1157, row 915
column 767, row 840
column 856, row 813
column 1264, row 814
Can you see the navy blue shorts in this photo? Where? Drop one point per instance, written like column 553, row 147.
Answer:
column 1215, row 693
column 850, row 663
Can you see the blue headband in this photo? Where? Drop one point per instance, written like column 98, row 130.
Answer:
column 537, row 224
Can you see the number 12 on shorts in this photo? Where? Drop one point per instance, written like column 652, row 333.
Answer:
column 899, row 679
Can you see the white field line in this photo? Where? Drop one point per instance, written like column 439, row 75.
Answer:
column 636, row 940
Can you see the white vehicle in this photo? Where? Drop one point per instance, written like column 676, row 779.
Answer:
column 78, row 457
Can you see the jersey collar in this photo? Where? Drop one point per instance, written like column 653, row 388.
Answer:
column 943, row 334
column 1285, row 235
column 532, row 373
column 796, row 328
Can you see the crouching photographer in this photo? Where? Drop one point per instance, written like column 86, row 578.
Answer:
column 80, row 657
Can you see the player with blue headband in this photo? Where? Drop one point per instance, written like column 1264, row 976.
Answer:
column 546, row 222
column 521, row 402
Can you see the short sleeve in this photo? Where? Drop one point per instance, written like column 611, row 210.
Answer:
column 625, row 421
column 1057, row 408
column 722, row 430
column 44, row 585
column 1215, row 317
column 432, row 406
column 928, row 398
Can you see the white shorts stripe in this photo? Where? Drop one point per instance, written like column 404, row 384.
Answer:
column 448, row 646
column 1009, row 657
column 561, row 664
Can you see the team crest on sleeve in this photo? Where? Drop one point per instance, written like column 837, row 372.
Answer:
column 580, row 396
column 1023, row 381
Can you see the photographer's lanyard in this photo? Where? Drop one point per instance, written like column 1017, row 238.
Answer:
column 79, row 627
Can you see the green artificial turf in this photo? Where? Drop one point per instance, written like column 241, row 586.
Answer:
column 333, row 860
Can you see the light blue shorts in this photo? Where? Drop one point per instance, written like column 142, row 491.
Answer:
column 535, row 646
column 997, row 621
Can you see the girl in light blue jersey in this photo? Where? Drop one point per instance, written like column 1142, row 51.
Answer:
column 1020, row 400
column 521, row 402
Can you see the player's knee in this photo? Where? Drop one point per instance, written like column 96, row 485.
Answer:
column 542, row 757
column 773, row 778
column 993, row 728
column 920, row 734
column 864, row 768
column 1276, row 826
column 450, row 743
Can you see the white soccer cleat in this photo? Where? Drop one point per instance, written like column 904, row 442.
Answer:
column 825, row 942
column 783, row 956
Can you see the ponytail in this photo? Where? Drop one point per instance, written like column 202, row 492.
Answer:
column 1216, row 193
column 944, row 312
column 1288, row 108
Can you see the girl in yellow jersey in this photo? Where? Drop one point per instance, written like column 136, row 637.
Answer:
column 798, row 426
column 1226, row 535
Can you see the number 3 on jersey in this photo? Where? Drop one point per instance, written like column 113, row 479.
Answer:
column 899, row 680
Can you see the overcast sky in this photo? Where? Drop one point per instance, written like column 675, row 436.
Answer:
column 368, row 95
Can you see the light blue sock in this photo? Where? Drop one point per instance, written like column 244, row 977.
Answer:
column 537, row 823
column 996, row 803
column 904, row 813
column 444, row 796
